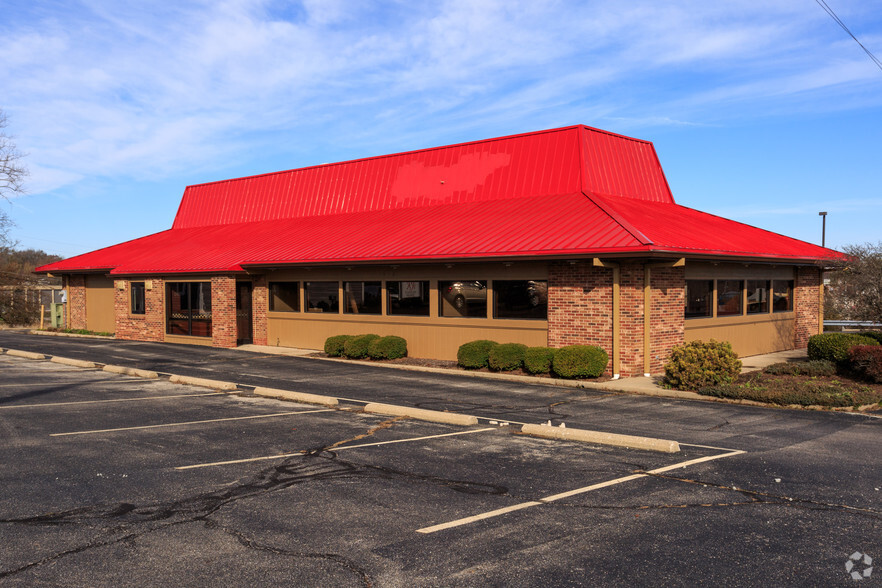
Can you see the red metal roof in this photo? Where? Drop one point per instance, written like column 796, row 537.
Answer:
column 571, row 191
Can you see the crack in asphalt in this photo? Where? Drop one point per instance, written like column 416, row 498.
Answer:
column 322, row 464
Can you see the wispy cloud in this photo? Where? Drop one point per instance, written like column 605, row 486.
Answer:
column 136, row 90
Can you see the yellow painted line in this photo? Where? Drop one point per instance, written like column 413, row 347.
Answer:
column 286, row 455
column 554, row 497
column 113, row 400
column 245, row 418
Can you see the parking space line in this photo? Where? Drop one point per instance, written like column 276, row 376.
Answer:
column 554, row 497
column 301, row 453
column 45, row 404
column 244, row 418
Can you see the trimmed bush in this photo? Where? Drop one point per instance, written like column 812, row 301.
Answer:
column 475, row 354
column 357, row 347
column 877, row 335
column 537, row 360
column 579, row 361
column 814, row 368
column 334, row 345
column 866, row 361
column 698, row 364
column 506, row 357
column 389, row 347
column 834, row 346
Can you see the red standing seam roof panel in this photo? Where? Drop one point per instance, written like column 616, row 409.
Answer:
column 572, row 191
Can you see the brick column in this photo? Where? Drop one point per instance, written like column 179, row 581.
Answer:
column 631, row 297
column 667, row 313
column 149, row 326
column 579, row 305
column 807, row 305
column 259, row 306
column 223, row 311
column 76, row 301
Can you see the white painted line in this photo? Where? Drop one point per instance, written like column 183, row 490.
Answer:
column 284, row 455
column 245, row 418
column 113, row 400
column 554, row 497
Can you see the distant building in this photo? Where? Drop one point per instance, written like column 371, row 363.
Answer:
column 550, row 238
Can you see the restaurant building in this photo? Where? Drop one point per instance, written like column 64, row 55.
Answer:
column 555, row 237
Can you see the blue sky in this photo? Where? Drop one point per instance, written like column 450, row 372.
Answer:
column 766, row 113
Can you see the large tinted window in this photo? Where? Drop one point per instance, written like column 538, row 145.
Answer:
column 408, row 298
column 699, row 295
column 362, row 297
column 757, row 296
column 322, row 297
column 284, row 296
column 782, row 295
column 520, row 299
column 463, row 298
column 729, row 297
column 189, row 309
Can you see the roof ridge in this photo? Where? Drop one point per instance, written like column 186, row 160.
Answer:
column 610, row 211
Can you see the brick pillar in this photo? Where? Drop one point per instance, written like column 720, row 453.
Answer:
column 807, row 305
column 76, row 301
column 580, row 305
column 631, row 338
column 259, row 306
column 223, row 311
column 667, row 313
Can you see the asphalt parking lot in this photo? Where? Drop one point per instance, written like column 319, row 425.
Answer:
column 113, row 480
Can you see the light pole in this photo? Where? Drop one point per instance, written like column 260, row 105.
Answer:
column 823, row 216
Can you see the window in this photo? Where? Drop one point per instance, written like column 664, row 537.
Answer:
column 782, row 295
column 757, row 296
column 729, row 297
column 463, row 298
column 284, row 296
column 189, row 309
column 138, row 297
column 407, row 298
column 698, row 298
column 362, row 297
column 322, row 297
column 520, row 299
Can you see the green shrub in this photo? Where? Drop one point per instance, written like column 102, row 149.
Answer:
column 814, row 368
column 698, row 365
column 357, row 347
column 877, row 335
column 506, row 357
column 866, row 361
column 537, row 360
column 834, row 346
column 475, row 354
column 579, row 361
column 334, row 345
column 389, row 347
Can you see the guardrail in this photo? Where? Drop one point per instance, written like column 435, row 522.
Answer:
column 853, row 324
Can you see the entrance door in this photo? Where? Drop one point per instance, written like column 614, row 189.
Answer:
column 243, row 313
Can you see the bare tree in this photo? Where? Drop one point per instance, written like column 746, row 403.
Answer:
column 12, row 176
column 855, row 291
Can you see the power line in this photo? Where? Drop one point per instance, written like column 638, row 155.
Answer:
column 832, row 14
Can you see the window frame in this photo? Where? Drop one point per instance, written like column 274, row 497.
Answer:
column 138, row 298
column 190, row 298
column 271, row 296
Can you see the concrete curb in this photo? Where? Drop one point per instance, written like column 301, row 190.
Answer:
column 296, row 396
column 56, row 334
column 203, row 382
column 25, row 354
column 81, row 363
column 420, row 414
column 629, row 441
column 118, row 369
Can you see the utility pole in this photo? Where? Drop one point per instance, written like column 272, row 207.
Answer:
column 823, row 216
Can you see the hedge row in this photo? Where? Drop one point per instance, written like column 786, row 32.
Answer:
column 834, row 346
column 574, row 361
column 369, row 345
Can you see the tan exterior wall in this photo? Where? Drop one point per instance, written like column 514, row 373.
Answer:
column 100, row 306
column 434, row 336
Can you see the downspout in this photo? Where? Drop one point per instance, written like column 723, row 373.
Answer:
column 647, row 313
column 616, row 314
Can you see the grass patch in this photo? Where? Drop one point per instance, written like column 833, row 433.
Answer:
column 79, row 332
column 799, row 384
